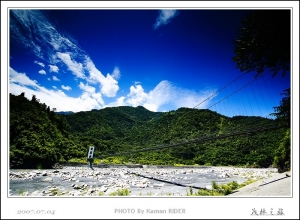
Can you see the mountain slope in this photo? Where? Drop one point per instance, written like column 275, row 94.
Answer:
column 39, row 137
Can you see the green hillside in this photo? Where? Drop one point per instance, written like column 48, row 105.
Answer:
column 39, row 137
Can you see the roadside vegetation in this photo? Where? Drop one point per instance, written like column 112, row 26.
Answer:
column 219, row 189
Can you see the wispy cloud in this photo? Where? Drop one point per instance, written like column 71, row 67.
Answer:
column 39, row 63
column 55, row 50
column 164, row 17
column 43, row 72
column 34, row 31
column 21, row 79
column 66, row 87
column 116, row 74
column 53, row 68
column 75, row 67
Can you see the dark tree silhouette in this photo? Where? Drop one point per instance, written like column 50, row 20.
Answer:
column 283, row 111
column 263, row 42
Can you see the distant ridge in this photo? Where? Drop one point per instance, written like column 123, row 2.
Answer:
column 64, row 113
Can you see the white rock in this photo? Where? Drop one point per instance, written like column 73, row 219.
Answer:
column 158, row 185
column 48, row 179
column 208, row 187
column 103, row 189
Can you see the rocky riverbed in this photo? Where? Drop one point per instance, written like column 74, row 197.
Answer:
column 130, row 181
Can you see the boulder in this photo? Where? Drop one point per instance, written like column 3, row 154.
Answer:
column 48, row 179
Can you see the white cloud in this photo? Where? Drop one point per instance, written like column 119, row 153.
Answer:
column 75, row 67
column 98, row 98
column 53, row 68
column 66, row 87
column 54, row 78
column 39, row 63
column 21, row 78
column 43, row 72
column 89, row 94
column 109, row 86
column 119, row 102
column 137, row 96
column 165, row 93
column 19, row 82
column 87, row 88
column 165, row 16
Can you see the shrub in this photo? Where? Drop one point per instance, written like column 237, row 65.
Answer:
column 215, row 185
column 121, row 192
column 220, row 190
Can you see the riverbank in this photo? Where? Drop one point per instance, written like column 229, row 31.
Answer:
column 128, row 181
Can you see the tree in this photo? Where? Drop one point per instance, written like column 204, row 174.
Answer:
column 282, row 157
column 33, row 98
column 263, row 42
column 283, row 111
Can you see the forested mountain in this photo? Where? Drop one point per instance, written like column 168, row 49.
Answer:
column 39, row 137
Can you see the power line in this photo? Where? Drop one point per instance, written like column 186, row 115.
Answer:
column 198, row 140
column 261, row 125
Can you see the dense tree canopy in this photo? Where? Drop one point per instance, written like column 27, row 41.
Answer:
column 264, row 42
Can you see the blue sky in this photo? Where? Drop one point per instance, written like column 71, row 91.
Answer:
column 78, row 60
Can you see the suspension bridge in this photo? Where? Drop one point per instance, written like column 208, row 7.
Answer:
column 244, row 96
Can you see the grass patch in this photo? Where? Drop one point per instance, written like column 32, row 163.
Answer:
column 178, row 165
column 219, row 189
column 149, row 193
column 56, row 192
column 21, row 191
column 121, row 192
